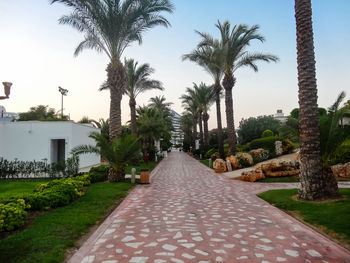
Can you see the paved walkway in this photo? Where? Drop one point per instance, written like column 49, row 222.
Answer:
column 190, row 214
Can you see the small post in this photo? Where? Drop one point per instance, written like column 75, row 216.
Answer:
column 133, row 172
column 229, row 167
column 156, row 157
column 200, row 156
column 210, row 162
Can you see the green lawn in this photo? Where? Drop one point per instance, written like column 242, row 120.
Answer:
column 330, row 217
column 142, row 166
column 13, row 188
column 291, row 179
column 47, row 239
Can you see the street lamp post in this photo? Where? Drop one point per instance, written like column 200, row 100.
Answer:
column 64, row 93
column 7, row 88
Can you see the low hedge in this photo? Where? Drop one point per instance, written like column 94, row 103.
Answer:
column 99, row 173
column 12, row 215
column 267, row 143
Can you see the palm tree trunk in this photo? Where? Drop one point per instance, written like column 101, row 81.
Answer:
column 206, row 132
column 116, row 83
column 313, row 184
column 116, row 176
column 132, row 104
column 218, row 119
column 228, row 83
column 200, row 120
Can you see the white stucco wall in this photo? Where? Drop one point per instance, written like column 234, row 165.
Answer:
column 31, row 140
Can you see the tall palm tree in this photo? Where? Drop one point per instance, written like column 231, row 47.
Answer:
column 210, row 58
column 110, row 26
column 138, row 81
column 233, row 44
column 312, row 183
column 159, row 102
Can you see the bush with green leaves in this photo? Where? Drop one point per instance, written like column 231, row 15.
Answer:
column 210, row 152
column 267, row 143
column 341, row 153
column 259, row 155
column 99, row 173
column 267, row 133
column 12, row 215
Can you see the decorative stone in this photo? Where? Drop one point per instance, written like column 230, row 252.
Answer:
column 280, row 168
column 252, row 176
column 234, row 162
column 215, row 156
column 220, row 166
column 228, row 165
column 297, row 155
column 341, row 170
column 259, row 155
column 246, row 157
column 278, row 148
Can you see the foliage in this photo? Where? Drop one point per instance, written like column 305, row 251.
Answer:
column 41, row 113
column 267, row 133
column 295, row 113
column 210, row 152
column 118, row 153
column 267, row 143
column 259, row 155
column 341, row 153
column 288, row 146
column 252, row 128
column 243, row 148
column 213, row 137
column 99, row 173
column 12, row 215
column 315, row 213
column 103, row 125
column 290, row 129
column 85, row 119
column 25, row 169
column 51, row 234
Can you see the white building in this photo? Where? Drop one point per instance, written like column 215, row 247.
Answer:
column 280, row 116
column 177, row 134
column 50, row 140
column 7, row 116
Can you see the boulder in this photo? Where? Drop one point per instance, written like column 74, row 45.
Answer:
column 341, row 170
column 278, row 148
column 280, row 168
column 297, row 155
column 252, row 176
column 228, row 166
column 259, row 155
column 215, row 156
column 234, row 162
column 245, row 158
column 220, row 166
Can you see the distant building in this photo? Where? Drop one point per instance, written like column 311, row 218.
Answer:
column 177, row 134
column 280, row 116
column 46, row 140
column 7, row 116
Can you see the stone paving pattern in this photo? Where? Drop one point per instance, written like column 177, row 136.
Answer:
column 190, row 214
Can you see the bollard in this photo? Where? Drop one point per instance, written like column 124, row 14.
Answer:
column 210, row 162
column 133, row 172
column 200, row 156
column 229, row 167
column 156, row 158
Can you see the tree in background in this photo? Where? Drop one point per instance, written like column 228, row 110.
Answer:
column 138, row 81
column 252, row 128
column 110, row 26
column 186, row 123
column 41, row 113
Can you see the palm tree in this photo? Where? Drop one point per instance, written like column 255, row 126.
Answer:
column 312, row 183
column 159, row 102
column 110, row 26
column 138, row 81
column 210, row 58
column 186, row 126
column 233, row 44
column 118, row 153
column 103, row 125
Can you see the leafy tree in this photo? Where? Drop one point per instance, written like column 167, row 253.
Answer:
column 118, row 153
column 110, row 26
column 267, row 133
column 41, row 113
column 186, row 123
column 138, row 81
column 313, row 183
column 233, row 45
column 252, row 128
column 295, row 112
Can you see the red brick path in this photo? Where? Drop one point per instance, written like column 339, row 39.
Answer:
column 190, row 214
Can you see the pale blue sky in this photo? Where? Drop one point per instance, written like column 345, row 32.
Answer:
column 37, row 56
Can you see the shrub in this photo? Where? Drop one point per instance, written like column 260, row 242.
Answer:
column 267, row 143
column 215, row 156
column 287, row 146
column 210, row 152
column 243, row 147
column 267, row 133
column 259, row 155
column 244, row 159
column 99, row 173
column 342, row 153
column 12, row 215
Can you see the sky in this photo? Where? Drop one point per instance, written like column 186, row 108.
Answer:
column 36, row 54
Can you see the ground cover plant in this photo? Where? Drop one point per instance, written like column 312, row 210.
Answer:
column 330, row 217
column 51, row 234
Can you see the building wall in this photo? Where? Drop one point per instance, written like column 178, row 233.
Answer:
column 31, row 140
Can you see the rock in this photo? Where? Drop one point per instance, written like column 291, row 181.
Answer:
column 228, row 165
column 219, row 166
column 341, row 170
column 297, row 155
column 259, row 155
column 215, row 156
column 278, row 148
column 234, row 162
column 280, row 168
column 244, row 159
column 252, row 176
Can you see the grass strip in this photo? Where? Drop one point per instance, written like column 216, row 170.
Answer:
column 12, row 188
column 143, row 166
column 50, row 235
column 329, row 217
